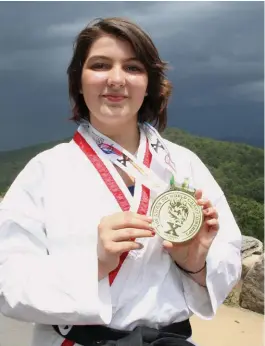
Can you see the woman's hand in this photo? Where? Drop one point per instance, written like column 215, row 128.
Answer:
column 117, row 234
column 191, row 255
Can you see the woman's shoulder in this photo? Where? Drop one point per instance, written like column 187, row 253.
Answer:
column 54, row 154
column 49, row 160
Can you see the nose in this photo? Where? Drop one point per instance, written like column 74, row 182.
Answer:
column 116, row 77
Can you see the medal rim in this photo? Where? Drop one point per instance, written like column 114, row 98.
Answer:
column 187, row 192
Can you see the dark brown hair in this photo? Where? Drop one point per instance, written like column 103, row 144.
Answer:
column 154, row 107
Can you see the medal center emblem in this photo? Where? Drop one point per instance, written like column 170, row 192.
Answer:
column 176, row 215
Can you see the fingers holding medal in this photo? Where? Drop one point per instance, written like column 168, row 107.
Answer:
column 118, row 233
column 210, row 213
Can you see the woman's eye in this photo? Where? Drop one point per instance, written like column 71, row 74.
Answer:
column 105, row 66
column 134, row 68
column 99, row 66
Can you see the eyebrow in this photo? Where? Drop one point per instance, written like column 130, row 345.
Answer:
column 103, row 57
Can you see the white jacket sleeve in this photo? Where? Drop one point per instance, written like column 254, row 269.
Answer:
column 224, row 257
column 36, row 286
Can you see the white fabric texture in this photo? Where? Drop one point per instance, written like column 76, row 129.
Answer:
column 48, row 252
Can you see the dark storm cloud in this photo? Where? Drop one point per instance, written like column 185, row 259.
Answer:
column 215, row 51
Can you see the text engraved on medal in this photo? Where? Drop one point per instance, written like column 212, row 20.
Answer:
column 176, row 216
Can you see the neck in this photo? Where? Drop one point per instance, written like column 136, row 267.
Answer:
column 126, row 135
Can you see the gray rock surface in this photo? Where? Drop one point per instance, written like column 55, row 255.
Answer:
column 251, row 246
column 252, row 292
column 248, row 263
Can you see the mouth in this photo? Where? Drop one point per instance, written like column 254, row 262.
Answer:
column 114, row 98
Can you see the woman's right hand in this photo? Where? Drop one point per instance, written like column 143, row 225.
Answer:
column 116, row 234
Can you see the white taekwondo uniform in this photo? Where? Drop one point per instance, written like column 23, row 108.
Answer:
column 48, row 251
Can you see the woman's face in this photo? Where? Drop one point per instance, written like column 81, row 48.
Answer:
column 114, row 82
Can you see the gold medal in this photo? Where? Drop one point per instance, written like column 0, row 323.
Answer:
column 176, row 215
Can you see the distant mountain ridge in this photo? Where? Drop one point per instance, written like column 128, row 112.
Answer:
column 238, row 168
column 242, row 123
column 255, row 142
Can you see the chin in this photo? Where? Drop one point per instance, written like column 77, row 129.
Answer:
column 117, row 115
column 113, row 116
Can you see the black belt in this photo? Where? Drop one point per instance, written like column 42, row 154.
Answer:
column 175, row 334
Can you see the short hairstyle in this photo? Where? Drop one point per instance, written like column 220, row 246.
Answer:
column 154, row 107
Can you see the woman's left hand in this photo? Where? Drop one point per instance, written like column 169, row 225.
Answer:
column 191, row 255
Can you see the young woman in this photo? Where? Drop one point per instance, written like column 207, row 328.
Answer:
column 80, row 255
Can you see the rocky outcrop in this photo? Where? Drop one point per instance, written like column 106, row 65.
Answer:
column 251, row 246
column 248, row 263
column 252, row 291
column 249, row 292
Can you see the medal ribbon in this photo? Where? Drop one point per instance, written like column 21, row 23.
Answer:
column 132, row 166
column 159, row 148
column 113, row 186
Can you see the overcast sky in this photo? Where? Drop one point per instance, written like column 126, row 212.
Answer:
column 215, row 50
